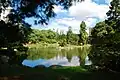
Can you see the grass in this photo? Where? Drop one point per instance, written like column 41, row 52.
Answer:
column 60, row 73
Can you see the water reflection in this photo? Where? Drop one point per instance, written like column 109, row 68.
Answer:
column 73, row 57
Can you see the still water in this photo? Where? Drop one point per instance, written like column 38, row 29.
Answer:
column 54, row 56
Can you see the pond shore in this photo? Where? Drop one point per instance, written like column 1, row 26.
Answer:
column 74, row 46
column 46, row 45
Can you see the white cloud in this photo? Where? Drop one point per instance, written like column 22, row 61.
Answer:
column 88, row 9
column 64, row 23
column 58, row 9
column 56, row 26
column 90, row 22
column 70, row 22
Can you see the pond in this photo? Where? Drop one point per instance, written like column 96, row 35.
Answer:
column 55, row 56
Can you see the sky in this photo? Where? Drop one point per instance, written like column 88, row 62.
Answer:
column 90, row 11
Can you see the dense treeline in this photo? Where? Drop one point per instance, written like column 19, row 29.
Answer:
column 42, row 36
column 105, row 53
column 49, row 36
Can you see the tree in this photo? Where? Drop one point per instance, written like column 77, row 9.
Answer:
column 47, row 36
column 69, row 35
column 100, row 32
column 83, row 33
column 75, row 39
column 105, row 53
column 12, row 37
column 114, row 15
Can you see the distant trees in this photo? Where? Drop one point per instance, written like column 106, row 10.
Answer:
column 69, row 34
column 83, row 33
column 50, row 36
column 42, row 36
column 71, row 37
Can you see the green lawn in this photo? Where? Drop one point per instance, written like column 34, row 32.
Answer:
column 62, row 73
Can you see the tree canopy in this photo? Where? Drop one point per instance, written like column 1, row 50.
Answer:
column 83, row 33
column 114, row 15
column 41, row 10
column 106, row 39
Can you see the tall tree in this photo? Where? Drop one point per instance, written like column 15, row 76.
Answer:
column 105, row 54
column 83, row 33
column 114, row 15
column 69, row 35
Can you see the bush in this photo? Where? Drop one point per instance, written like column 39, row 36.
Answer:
column 62, row 43
column 106, row 57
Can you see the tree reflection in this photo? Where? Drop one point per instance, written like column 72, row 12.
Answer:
column 48, row 53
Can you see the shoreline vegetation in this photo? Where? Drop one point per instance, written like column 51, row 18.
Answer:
column 55, row 45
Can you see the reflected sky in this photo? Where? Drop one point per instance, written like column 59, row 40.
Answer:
column 57, row 60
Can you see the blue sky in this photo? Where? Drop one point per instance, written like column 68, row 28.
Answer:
column 90, row 11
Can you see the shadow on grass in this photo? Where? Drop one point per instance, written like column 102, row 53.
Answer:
column 54, row 73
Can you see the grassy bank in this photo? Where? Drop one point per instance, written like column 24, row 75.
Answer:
column 63, row 73
column 56, row 45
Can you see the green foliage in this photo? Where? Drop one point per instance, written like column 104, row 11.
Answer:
column 41, row 10
column 100, row 33
column 83, row 33
column 42, row 36
column 106, row 41
column 75, row 39
column 50, row 36
column 62, row 43
column 71, row 37
column 61, row 36
column 114, row 15
column 13, row 36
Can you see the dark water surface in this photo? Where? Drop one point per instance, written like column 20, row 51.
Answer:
column 54, row 56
